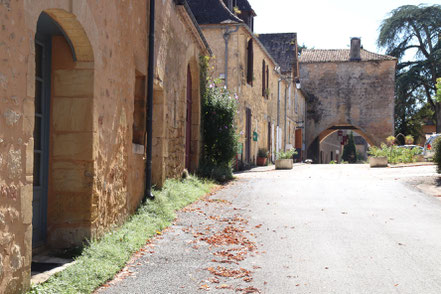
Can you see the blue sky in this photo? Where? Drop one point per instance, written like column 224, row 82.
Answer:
column 326, row 24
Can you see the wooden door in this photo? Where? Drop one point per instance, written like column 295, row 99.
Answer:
column 188, row 122
column 41, row 141
column 248, row 135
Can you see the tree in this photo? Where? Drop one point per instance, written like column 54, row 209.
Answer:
column 415, row 29
column 349, row 151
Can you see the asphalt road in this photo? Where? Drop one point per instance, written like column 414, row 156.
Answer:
column 314, row 229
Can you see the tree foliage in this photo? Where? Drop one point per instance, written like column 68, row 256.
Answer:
column 220, row 139
column 349, row 151
column 414, row 30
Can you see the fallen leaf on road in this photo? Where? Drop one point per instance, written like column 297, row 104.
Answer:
column 248, row 290
column 205, row 287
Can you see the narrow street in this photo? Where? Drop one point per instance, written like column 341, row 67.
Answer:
column 313, row 229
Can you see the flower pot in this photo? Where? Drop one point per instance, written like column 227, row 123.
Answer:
column 261, row 161
column 380, row 161
column 284, row 164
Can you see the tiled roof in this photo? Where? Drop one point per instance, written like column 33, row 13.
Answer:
column 338, row 55
column 282, row 48
column 212, row 12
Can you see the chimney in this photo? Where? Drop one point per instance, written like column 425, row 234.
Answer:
column 355, row 49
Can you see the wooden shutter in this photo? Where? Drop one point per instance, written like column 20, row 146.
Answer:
column 263, row 78
column 267, row 80
column 250, row 62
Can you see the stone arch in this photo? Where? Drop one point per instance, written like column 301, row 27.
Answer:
column 193, row 70
column 74, row 33
column 313, row 149
column 68, row 89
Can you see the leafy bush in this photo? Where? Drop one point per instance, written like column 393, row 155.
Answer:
column 437, row 156
column 395, row 154
column 220, row 139
column 286, row 154
column 349, row 151
column 262, row 152
column 332, row 162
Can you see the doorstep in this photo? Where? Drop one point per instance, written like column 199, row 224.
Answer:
column 43, row 267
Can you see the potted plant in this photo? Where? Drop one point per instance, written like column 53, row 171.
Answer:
column 262, row 157
column 378, row 156
column 285, row 159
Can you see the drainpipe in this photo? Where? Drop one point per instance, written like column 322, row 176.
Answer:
column 227, row 39
column 286, row 117
column 150, row 71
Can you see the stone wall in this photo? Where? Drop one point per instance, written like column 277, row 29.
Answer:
column 357, row 94
column 96, row 173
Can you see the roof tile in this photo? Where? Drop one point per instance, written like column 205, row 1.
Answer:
column 338, row 55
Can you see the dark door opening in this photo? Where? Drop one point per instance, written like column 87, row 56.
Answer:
column 248, row 135
column 188, row 122
column 41, row 139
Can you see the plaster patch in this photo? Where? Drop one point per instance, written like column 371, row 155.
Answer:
column 3, row 79
column 14, row 163
column 5, row 239
column 11, row 117
column 16, row 258
column 2, row 219
column 6, row 3
column 1, row 265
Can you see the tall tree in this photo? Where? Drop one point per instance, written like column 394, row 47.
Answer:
column 350, row 151
column 415, row 30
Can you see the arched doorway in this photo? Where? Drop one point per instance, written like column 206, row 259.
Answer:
column 63, row 131
column 333, row 137
column 188, row 132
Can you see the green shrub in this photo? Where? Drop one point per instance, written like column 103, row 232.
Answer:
column 437, row 157
column 395, row 154
column 262, row 152
column 220, row 139
column 349, row 151
column 286, row 154
column 332, row 162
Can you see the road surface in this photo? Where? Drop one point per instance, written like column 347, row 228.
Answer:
column 314, row 229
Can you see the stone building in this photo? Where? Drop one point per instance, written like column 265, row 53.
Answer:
column 72, row 118
column 283, row 47
column 347, row 89
column 248, row 69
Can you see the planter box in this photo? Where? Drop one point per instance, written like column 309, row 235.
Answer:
column 378, row 161
column 261, row 161
column 284, row 164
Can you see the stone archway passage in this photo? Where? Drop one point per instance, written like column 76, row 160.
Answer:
column 67, row 212
column 314, row 152
column 347, row 92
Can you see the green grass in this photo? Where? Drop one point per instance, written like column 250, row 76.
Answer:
column 102, row 259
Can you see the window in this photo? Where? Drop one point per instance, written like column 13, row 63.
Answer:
column 250, row 62
column 139, row 113
column 265, row 79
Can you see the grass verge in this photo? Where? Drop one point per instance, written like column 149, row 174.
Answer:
column 102, row 259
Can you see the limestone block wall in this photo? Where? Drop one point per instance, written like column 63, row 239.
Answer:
column 96, row 173
column 176, row 51
column 359, row 94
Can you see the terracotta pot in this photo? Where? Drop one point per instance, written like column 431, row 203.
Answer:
column 261, row 161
